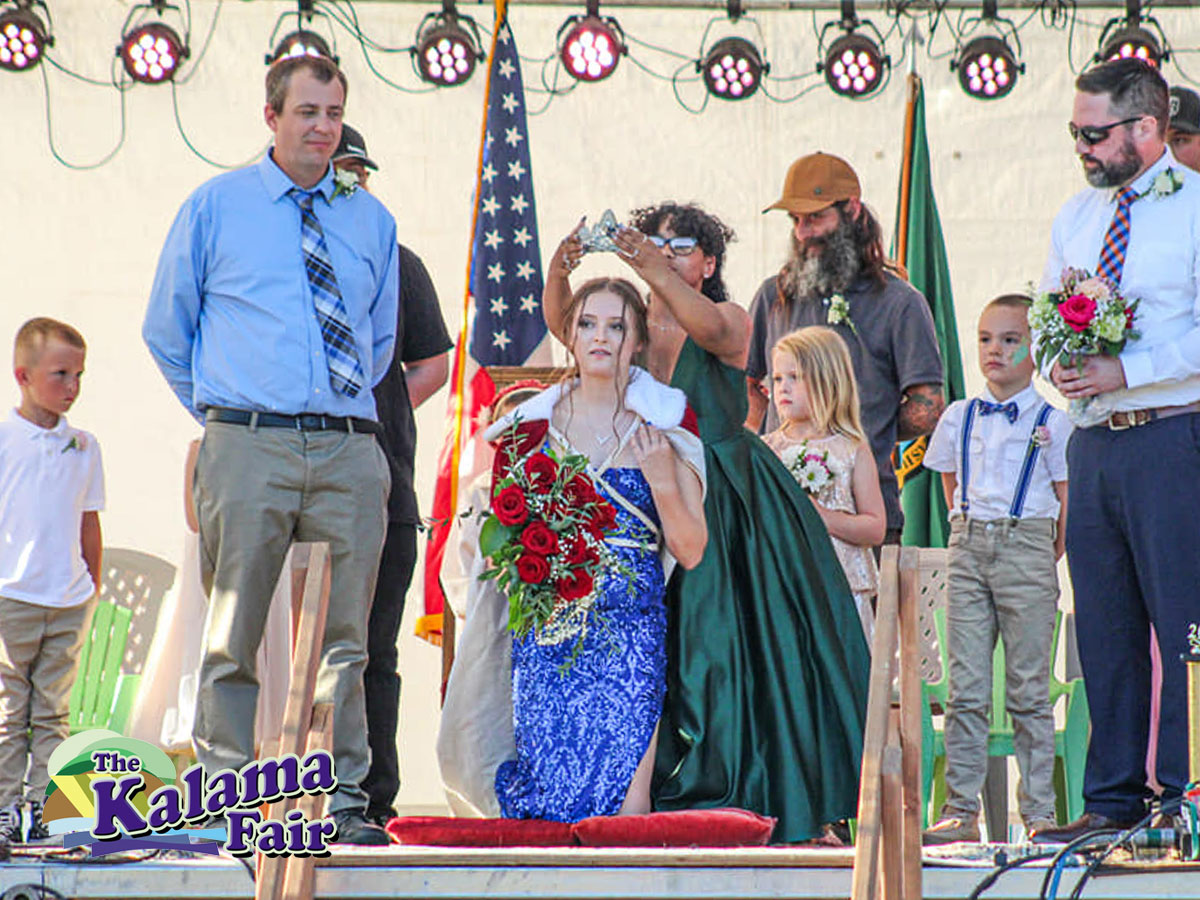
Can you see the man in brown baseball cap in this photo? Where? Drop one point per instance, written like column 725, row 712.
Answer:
column 1183, row 132
column 837, row 275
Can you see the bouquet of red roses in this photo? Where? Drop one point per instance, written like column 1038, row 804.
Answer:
column 545, row 537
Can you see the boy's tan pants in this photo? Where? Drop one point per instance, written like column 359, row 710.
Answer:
column 39, row 654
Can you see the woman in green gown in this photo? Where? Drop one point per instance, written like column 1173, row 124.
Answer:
column 767, row 663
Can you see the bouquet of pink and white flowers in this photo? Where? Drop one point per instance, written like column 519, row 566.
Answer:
column 809, row 468
column 1084, row 316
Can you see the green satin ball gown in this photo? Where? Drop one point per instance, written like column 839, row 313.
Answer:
column 768, row 667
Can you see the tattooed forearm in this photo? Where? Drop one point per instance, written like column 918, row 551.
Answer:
column 919, row 411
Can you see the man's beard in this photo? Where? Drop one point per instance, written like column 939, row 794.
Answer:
column 1118, row 171
column 830, row 270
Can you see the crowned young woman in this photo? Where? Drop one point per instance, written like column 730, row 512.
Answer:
column 586, row 706
column 767, row 663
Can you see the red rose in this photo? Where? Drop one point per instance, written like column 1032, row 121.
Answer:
column 537, row 538
column 509, row 506
column 1129, row 318
column 532, row 569
column 580, row 551
column 541, row 471
column 580, row 491
column 604, row 517
column 575, row 585
column 1077, row 311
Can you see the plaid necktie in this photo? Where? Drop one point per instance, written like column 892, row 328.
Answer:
column 345, row 373
column 1116, row 240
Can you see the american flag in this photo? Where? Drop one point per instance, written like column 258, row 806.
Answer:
column 502, row 311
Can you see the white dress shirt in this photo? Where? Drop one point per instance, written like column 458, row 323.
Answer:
column 1162, row 269
column 996, row 454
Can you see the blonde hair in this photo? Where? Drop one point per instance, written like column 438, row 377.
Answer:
column 823, row 361
column 33, row 335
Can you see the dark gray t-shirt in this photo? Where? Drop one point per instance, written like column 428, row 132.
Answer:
column 893, row 347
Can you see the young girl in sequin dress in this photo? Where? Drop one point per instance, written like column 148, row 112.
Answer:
column 821, row 441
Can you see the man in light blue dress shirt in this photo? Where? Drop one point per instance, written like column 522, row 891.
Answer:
column 1132, row 540
column 289, row 453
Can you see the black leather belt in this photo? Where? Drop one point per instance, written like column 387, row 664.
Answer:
column 302, row 422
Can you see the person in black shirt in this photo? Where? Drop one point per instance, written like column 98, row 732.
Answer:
column 420, row 366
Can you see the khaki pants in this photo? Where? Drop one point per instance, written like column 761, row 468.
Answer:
column 1003, row 580
column 257, row 491
column 39, row 654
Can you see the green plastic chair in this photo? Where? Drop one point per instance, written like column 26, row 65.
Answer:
column 1070, row 742
column 110, row 664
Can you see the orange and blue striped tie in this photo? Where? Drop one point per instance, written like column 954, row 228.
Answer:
column 1116, row 240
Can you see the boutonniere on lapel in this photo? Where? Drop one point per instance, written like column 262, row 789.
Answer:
column 1041, row 436
column 1165, row 183
column 345, row 183
column 838, row 311
column 77, row 442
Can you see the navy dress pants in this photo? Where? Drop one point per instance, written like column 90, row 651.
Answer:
column 1133, row 543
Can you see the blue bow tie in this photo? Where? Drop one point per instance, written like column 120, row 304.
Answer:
column 1009, row 409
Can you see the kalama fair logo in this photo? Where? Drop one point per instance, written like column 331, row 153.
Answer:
column 114, row 793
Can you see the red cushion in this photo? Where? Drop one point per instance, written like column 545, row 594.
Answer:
column 727, row 827
column 442, row 831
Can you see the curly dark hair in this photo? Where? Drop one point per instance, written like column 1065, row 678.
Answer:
column 690, row 220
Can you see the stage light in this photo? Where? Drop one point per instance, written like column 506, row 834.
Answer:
column 987, row 67
column 301, row 43
column 447, row 47
column 23, row 38
column 855, row 65
column 1133, row 42
column 732, row 69
column 590, row 47
column 1128, row 38
column 151, row 53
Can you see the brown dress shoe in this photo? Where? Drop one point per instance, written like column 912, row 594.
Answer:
column 1085, row 824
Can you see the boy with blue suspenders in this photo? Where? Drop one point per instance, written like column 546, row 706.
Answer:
column 1003, row 462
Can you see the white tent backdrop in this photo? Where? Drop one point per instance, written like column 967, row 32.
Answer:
column 82, row 245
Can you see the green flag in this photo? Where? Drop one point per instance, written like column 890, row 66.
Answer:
column 920, row 248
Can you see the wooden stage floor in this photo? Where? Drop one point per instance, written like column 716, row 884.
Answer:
column 401, row 872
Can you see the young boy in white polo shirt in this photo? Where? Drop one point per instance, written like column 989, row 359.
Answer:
column 51, row 492
column 1004, row 470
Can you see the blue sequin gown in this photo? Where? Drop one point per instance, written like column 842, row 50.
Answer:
column 580, row 734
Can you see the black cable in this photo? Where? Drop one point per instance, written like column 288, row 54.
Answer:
column 194, row 62
column 1166, row 808
column 1068, row 849
column 79, row 167
column 994, row 875
column 188, row 141
column 31, row 891
column 85, row 79
column 664, row 50
column 675, row 79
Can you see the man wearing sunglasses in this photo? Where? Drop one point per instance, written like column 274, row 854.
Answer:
column 1131, row 535
column 837, row 275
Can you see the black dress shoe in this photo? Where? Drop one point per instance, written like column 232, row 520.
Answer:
column 1085, row 824
column 353, row 828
